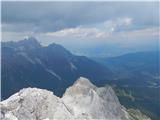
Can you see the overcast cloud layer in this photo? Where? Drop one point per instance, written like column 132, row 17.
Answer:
column 126, row 26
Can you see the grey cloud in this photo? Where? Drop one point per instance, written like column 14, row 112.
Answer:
column 53, row 16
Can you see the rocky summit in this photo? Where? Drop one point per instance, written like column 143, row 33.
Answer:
column 82, row 101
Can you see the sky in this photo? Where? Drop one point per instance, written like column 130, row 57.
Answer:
column 87, row 28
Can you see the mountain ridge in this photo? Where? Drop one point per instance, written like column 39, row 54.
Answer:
column 33, row 103
column 138, row 75
column 51, row 67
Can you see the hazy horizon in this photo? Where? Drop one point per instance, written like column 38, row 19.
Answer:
column 87, row 28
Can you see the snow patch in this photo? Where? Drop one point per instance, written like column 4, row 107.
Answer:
column 53, row 73
column 39, row 61
column 27, row 57
column 73, row 67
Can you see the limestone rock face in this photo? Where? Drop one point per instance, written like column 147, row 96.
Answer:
column 83, row 100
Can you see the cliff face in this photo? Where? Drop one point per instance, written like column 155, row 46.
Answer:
column 83, row 100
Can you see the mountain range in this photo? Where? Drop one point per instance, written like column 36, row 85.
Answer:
column 29, row 64
column 141, row 64
column 137, row 80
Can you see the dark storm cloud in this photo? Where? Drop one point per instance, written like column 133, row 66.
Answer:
column 53, row 16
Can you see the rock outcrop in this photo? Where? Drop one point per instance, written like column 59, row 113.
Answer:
column 81, row 101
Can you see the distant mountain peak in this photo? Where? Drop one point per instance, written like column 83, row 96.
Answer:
column 56, row 46
column 30, row 40
column 28, row 44
column 58, row 49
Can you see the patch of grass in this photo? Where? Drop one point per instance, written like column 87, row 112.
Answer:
column 137, row 114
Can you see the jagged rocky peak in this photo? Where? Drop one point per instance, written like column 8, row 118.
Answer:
column 33, row 39
column 26, row 44
column 83, row 100
column 58, row 49
column 29, row 43
column 99, row 103
column 56, row 46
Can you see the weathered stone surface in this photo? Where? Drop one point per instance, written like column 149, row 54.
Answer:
column 83, row 100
